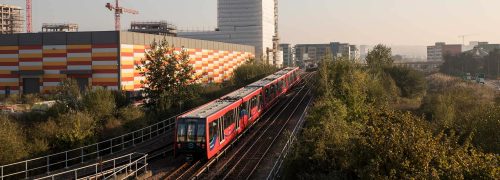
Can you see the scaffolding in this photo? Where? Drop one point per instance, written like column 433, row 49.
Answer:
column 154, row 27
column 59, row 27
column 11, row 19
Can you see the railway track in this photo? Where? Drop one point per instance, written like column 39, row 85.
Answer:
column 226, row 161
column 245, row 164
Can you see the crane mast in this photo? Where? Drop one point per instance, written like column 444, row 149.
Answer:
column 276, row 38
column 28, row 16
column 118, row 11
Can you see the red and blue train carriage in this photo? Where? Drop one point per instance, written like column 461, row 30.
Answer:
column 205, row 131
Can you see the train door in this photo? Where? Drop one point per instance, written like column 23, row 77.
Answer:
column 267, row 95
column 221, row 129
column 237, row 117
column 213, row 132
column 259, row 102
column 247, row 106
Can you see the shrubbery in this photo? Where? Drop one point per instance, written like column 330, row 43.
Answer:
column 12, row 141
column 250, row 72
column 353, row 133
column 77, row 119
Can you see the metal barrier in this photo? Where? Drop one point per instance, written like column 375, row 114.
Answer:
column 130, row 169
column 126, row 165
column 46, row 164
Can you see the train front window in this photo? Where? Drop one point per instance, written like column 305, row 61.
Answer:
column 191, row 130
column 187, row 130
column 181, row 131
column 201, row 132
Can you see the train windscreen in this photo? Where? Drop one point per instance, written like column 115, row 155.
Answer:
column 190, row 130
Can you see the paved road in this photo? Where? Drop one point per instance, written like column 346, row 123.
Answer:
column 494, row 84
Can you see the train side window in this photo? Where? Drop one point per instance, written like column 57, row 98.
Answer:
column 212, row 134
column 227, row 119
column 244, row 109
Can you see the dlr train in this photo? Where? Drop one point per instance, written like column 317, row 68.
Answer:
column 208, row 129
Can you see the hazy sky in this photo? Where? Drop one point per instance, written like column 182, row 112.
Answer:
column 392, row 22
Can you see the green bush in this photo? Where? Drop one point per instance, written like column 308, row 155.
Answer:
column 68, row 130
column 410, row 82
column 121, row 99
column 248, row 73
column 12, row 141
column 100, row 103
column 132, row 118
column 348, row 134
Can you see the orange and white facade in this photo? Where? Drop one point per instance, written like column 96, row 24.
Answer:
column 31, row 63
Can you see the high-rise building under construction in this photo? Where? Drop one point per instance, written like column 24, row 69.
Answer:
column 249, row 22
column 11, row 20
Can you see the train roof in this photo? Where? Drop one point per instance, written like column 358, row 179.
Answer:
column 216, row 106
column 285, row 70
column 265, row 81
column 209, row 109
column 241, row 93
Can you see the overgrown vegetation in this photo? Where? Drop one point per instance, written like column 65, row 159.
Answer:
column 354, row 131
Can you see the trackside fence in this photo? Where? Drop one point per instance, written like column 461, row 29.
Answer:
column 116, row 168
column 46, row 164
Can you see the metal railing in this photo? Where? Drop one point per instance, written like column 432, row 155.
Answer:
column 125, row 166
column 284, row 152
column 46, row 164
column 132, row 168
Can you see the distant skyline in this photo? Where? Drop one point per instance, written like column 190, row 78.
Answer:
column 391, row 22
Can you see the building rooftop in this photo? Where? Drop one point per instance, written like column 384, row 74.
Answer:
column 10, row 6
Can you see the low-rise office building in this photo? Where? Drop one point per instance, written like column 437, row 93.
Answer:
column 38, row 62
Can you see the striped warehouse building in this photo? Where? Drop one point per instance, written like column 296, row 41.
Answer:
column 37, row 62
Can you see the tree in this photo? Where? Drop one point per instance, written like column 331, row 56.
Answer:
column 12, row 141
column 68, row 94
column 100, row 103
column 380, row 56
column 168, row 74
column 411, row 82
column 251, row 72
